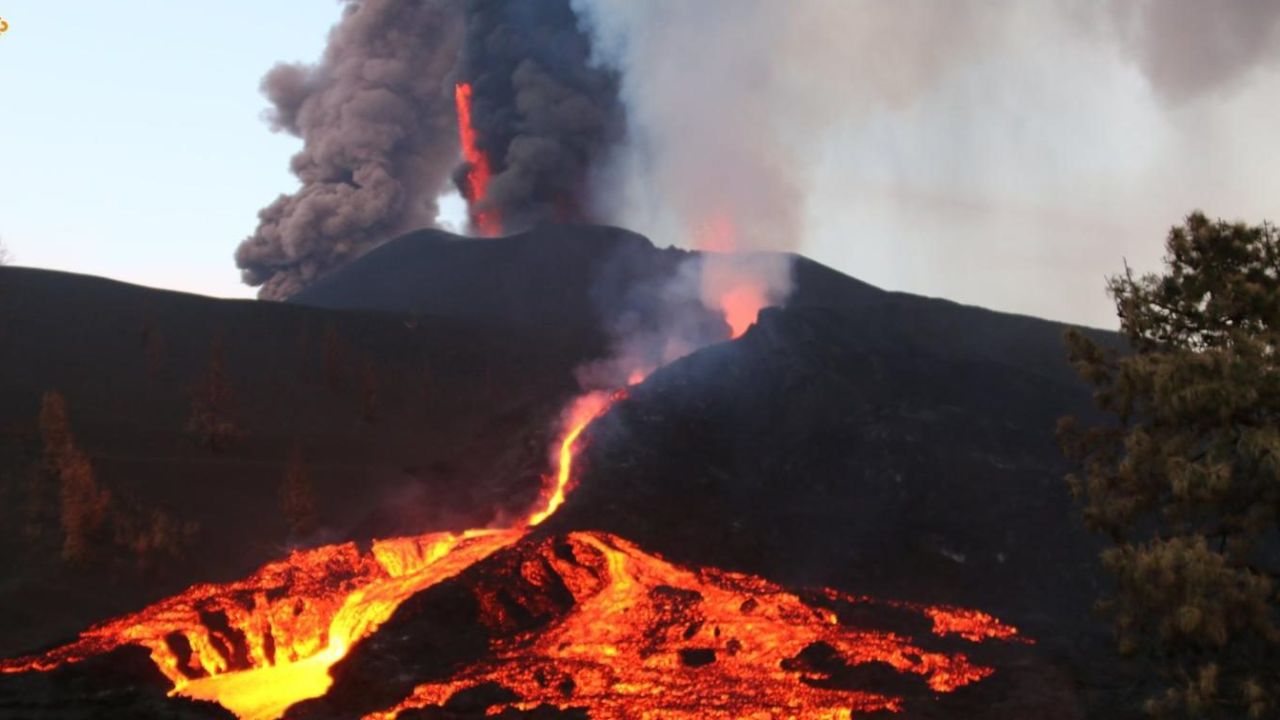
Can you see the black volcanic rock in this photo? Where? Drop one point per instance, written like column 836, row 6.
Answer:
column 872, row 448
column 121, row 684
column 873, row 441
column 825, row 448
column 464, row 413
column 557, row 279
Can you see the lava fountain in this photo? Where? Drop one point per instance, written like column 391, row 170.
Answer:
column 476, row 188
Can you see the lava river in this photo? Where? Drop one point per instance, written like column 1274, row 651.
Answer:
column 638, row 637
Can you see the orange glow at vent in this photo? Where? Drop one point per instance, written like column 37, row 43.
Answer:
column 729, row 284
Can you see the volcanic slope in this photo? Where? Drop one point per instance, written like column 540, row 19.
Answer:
column 874, row 442
column 882, row 442
column 401, row 423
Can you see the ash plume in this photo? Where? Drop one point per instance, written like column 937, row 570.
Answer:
column 1189, row 48
column 544, row 114
column 376, row 117
column 378, row 122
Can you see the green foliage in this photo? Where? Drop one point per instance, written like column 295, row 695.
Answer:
column 1186, row 479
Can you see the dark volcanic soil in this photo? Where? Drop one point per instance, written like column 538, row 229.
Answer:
column 876, row 442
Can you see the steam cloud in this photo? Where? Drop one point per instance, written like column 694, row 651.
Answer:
column 763, row 126
column 1035, row 137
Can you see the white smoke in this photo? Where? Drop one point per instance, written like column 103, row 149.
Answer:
column 1007, row 153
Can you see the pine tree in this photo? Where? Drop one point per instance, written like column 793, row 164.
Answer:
column 82, row 504
column 55, row 429
column 297, row 497
column 210, row 421
column 1185, row 479
column 84, row 507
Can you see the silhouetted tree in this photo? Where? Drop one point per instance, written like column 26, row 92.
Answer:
column 297, row 497
column 55, row 429
column 6, row 257
column 152, row 536
column 83, row 505
column 1185, row 480
column 210, row 421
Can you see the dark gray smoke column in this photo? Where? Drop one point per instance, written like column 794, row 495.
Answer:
column 377, row 118
column 545, row 116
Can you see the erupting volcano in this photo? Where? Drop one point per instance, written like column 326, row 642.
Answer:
column 476, row 187
column 629, row 634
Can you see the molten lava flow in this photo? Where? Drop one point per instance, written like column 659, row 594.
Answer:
column 648, row 638
column 583, row 410
column 619, row 631
column 487, row 222
column 261, row 644
column 972, row 625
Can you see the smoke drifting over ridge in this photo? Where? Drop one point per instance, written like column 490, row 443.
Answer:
column 953, row 135
column 1005, row 153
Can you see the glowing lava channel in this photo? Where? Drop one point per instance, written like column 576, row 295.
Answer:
column 623, row 646
column 486, row 222
column 583, row 410
column 289, row 622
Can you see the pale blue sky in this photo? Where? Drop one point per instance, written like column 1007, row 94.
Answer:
column 1018, row 178
column 132, row 140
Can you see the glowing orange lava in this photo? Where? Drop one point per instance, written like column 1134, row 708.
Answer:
column 486, row 222
column 580, row 414
column 258, row 645
column 741, row 307
column 642, row 637
column 645, row 638
column 261, row 644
